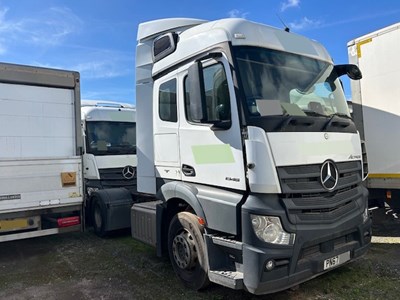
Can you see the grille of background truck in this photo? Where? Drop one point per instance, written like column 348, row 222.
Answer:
column 113, row 177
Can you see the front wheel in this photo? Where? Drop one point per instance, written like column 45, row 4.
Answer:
column 186, row 249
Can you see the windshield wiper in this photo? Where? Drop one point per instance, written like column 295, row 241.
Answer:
column 337, row 123
column 342, row 115
column 124, row 146
column 314, row 113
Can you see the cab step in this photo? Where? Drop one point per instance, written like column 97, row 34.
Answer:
column 231, row 279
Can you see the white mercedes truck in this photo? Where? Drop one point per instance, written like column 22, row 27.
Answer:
column 40, row 152
column 246, row 145
column 109, row 163
column 376, row 110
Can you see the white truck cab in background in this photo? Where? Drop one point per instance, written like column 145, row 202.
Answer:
column 109, row 162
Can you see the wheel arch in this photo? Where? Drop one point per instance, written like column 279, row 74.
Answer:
column 173, row 193
column 176, row 197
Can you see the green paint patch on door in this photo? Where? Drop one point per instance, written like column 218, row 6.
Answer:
column 213, row 154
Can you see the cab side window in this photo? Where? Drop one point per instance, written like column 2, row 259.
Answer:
column 167, row 108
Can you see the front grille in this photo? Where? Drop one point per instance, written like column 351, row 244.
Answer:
column 307, row 201
column 306, row 179
column 113, row 178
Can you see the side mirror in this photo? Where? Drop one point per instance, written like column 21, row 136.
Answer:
column 196, row 94
column 353, row 71
column 221, row 125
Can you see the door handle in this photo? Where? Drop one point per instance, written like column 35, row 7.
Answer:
column 188, row 170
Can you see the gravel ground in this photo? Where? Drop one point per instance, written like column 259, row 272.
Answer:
column 83, row 266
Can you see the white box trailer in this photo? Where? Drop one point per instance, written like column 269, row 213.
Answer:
column 376, row 109
column 40, row 147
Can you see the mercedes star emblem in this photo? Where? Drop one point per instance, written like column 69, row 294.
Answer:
column 128, row 172
column 329, row 175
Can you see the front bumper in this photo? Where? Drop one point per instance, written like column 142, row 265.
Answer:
column 314, row 243
column 300, row 263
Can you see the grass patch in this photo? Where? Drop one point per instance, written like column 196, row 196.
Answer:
column 359, row 280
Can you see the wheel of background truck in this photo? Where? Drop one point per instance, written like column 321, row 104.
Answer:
column 186, row 249
column 98, row 218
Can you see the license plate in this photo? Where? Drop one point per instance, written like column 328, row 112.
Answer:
column 13, row 224
column 336, row 260
column 7, row 225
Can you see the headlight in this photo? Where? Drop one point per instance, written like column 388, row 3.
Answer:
column 365, row 215
column 269, row 229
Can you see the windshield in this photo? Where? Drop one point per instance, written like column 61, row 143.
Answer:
column 110, row 138
column 277, row 83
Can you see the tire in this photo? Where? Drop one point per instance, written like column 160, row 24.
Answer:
column 186, row 249
column 99, row 218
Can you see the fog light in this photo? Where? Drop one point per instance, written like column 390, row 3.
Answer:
column 270, row 265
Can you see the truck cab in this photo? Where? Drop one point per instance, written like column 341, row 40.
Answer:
column 247, row 144
column 109, row 162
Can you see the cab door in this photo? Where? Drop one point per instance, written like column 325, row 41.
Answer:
column 166, row 123
column 210, row 137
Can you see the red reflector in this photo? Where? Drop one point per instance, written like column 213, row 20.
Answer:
column 201, row 221
column 69, row 221
column 388, row 194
